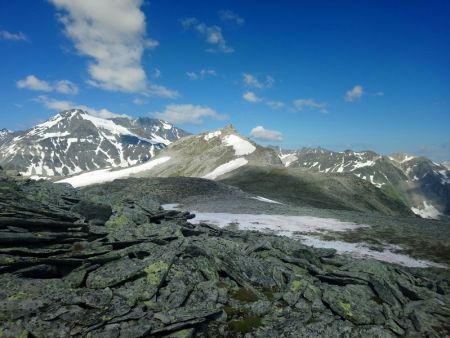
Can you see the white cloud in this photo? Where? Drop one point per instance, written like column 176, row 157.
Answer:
column 33, row 83
column 61, row 86
column 275, row 104
column 60, row 105
column 5, row 35
column 227, row 15
column 138, row 102
column 261, row 133
column 311, row 104
column 252, row 81
column 201, row 74
column 112, row 33
column 188, row 113
column 251, row 97
column 211, row 34
column 354, row 94
column 156, row 73
column 65, row 87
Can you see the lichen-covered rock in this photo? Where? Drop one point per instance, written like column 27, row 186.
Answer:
column 135, row 270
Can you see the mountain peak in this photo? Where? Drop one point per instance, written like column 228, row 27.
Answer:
column 74, row 141
column 229, row 129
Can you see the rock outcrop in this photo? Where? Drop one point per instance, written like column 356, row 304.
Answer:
column 80, row 265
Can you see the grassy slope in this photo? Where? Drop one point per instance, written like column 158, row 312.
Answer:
column 298, row 187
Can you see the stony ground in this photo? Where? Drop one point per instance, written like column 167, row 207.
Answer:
column 101, row 265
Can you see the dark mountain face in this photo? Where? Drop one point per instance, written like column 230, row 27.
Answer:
column 74, row 141
column 419, row 182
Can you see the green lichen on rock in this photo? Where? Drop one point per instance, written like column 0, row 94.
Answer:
column 155, row 271
column 116, row 223
column 347, row 309
column 296, row 285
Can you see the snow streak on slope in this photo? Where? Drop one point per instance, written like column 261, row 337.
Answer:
column 266, row 200
column 241, row 146
column 108, row 175
column 226, row 168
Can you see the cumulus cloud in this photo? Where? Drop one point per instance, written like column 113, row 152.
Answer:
column 230, row 16
column 212, row 35
column 19, row 36
column 112, row 33
column 309, row 104
column 188, row 113
column 261, row 133
column 32, row 82
column 252, row 81
column 251, row 97
column 354, row 94
column 60, row 105
column 201, row 74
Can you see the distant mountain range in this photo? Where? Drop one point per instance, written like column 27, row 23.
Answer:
column 417, row 181
column 89, row 150
column 74, row 141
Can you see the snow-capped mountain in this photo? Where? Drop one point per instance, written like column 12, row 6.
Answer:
column 209, row 155
column 74, row 141
column 419, row 182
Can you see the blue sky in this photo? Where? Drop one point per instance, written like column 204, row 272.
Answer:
column 348, row 74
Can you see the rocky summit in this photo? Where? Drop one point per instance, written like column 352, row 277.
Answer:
column 84, row 264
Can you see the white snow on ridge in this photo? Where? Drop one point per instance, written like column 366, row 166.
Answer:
column 288, row 159
column 241, row 146
column 211, row 135
column 263, row 199
column 357, row 165
column 428, row 211
column 109, row 175
column 226, row 168
column 407, row 158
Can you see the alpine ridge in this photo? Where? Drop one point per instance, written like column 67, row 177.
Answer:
column 74, row 141
column 419, row 182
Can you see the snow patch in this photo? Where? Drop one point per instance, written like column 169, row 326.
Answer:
column 109, row 175
column 241, row 146
column 297, row 226
column 226, row 168
column 288, row 159
column 263, row 199
column 428, row 211
column 211, row 135
column 358, row 250
column 357, row 165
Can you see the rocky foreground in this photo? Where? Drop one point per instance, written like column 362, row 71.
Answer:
column 74, row 264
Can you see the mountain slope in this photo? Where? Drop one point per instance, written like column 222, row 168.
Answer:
column 207, row 155
column 299, row 187
column 417, row 181
column 74, row 141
